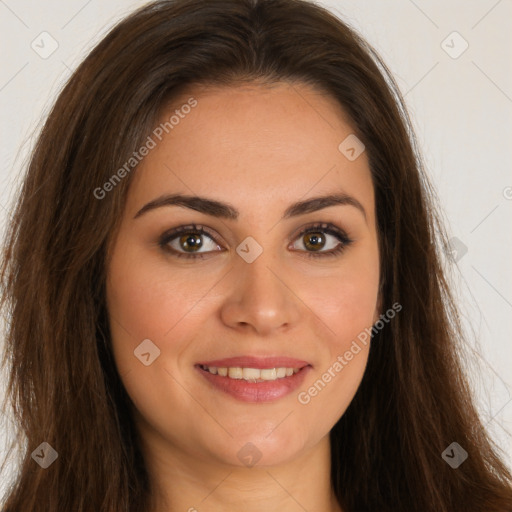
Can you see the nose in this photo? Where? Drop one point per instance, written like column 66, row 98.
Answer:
column 260, row 298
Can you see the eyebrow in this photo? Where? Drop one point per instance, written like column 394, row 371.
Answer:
column 227, row 211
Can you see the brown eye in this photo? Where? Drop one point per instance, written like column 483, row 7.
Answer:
column 314, row 241
column 191, row 241
column 186, row 241
column 323, row 236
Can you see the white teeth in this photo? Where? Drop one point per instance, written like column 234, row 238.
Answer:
column 268, row 374
column 252, row 374
column 280, row 372
column 235, row 373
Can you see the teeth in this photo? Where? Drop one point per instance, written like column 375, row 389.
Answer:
column 252, row 374
column 235, row 373
column 268, row 374
column 281, row 372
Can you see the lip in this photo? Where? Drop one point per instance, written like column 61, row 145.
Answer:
column 261, row 363
column 255, row 392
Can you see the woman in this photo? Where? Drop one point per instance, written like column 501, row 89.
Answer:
column 224, row 286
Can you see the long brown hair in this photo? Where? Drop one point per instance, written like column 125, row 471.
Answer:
column 414, row 399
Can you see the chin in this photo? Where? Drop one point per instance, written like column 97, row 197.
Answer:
column 254, row 448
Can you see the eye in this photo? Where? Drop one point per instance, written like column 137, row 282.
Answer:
column 186, row 241
column 315, row 238
column 187, row 237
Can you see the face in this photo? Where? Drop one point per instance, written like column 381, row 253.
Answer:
column 265, row 285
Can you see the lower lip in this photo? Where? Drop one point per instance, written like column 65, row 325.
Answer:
column 265, row 391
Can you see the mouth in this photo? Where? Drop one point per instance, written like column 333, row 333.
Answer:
column 251, row 379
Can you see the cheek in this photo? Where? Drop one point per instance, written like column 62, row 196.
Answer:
column 346, row 302
column 345, row 298
column 349, row 316
column 147, row 301
column 147, row 295
column 144, row 302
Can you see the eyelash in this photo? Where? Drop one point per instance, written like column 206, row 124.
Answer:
column 194, row 229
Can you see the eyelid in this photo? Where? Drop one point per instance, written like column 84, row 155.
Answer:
column 190, row 228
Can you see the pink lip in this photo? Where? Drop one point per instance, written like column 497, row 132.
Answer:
column 256, row 362
column 264, row 391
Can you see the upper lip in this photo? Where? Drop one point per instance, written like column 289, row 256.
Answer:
column 256, row 362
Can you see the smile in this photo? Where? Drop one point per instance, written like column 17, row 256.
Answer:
column 250, row 379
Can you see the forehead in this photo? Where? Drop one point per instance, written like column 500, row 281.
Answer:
column 261, row 144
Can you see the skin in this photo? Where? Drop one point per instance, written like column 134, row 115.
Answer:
column 259, row 149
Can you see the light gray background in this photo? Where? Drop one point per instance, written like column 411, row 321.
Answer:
column 461, row 108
